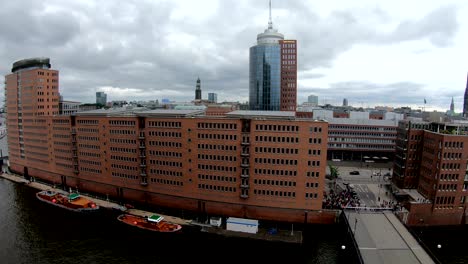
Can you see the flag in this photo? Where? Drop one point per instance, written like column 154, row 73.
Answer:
column 424, row 100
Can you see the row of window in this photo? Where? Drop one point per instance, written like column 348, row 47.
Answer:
column 89, row 146
column 453, row 144
column 275, row 172
column 124, row 175
column 64, row 158
column 165, row 134
column 216, row 178
column 312, row 185
column 315, row 174
column 313, row 163
column 167, row 182
column 88, row 130
column 166, row 172
column 311, row 195
column 361, row 134
column 445, row 200
column 123, row 167
column 274, row 193
column 121, row 123
column 90, row 154
column 61, row 121
column 450, row 155
column 217, row 157
column 92, row 170
column 217, row 126
column 166, row 163
column 315, row 129
column 121, row 132
column 123, row 141
column 63, row 165
column 361, row 140
column 277, row 128
column 362, row 146
column 450, row 176
column 165, row 153
column 121, row 158
column 216, row 167
column 124, row 150
column 36, row 147
column 88, row 138
column 447, row 187
column 217, row 136
column 63, row 150
column 276, row 150
column 315, row 152
column 88, row 122
column 90, row 162
column 274, row 182
column 348, row 127
column 450, row 166
column 165, row 144
column 275, row 161
column 164, row 124
column 277, row 139
column 216, row 187
column 217, row 147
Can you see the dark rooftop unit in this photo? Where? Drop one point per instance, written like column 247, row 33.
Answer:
column 32, row 62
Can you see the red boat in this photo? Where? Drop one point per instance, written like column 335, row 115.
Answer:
column 72, row 201
column 153, row 223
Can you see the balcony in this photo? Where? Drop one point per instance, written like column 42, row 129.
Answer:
column 245, row 154
column 142, row 155
column 143, row 183
column 244, row 186
column 143, row 165
column 244, row 196
column 245, row 143
column 142, row 146
column 245, row 165
column 143, row 174
column 141, row 137
column 245, row 176
column 76, row 171
column 73, row 131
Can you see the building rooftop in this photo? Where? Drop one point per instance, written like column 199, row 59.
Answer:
column 120, row 111
column 172, row 112
column 262, row 114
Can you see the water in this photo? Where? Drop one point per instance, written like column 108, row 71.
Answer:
column 35, row 232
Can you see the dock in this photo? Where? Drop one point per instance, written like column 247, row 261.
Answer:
column 287, row 236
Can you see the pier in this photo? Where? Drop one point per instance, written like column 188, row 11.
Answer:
column 380, row 237
column 287, row 236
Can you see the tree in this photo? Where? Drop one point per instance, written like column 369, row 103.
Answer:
column 334, row 173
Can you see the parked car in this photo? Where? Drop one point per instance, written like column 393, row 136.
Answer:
column 354, row 173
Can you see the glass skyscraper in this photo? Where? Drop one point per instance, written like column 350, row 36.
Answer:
column 273, row 72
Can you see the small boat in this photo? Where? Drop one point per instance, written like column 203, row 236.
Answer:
column 153, row 223
column 70, row 201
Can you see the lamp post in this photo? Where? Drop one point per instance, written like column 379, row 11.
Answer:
column 355, row 223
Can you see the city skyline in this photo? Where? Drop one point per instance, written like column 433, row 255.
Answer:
column 361, row 51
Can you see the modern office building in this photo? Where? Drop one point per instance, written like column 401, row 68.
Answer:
column 213, row 97
column 101, row 98
column 273, row 72
column 431, row 163
column 345, row 102
column 68, row 107
column 198, row 91
column 465, row 101
column 252, row 164
column 312, row 100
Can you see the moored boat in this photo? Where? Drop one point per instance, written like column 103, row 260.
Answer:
column 153, row 223
column 71, row 201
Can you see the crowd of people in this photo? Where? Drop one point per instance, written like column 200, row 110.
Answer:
column 339, row 200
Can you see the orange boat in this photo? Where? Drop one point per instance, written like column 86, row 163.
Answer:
column 153, row 223
column 72, row 201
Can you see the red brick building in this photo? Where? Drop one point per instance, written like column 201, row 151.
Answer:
column 434, row 157
column 288, row 98
column 255, row 164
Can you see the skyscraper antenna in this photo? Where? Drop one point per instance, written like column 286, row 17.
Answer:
column 270, row 23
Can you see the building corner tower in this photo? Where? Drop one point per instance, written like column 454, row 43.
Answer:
column 465, row 100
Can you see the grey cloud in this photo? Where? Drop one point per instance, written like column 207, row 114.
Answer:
column 129, row 44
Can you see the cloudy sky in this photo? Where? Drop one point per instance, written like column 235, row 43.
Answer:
column 386, row 52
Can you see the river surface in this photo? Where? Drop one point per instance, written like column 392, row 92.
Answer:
column 35, row 232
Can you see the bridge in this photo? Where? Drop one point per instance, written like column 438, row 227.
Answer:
column 380, row 237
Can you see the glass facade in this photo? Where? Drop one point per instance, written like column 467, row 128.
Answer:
column 265, row 77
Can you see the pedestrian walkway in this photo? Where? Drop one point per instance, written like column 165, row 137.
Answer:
column 382, row 238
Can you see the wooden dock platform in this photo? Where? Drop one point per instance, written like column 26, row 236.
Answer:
column 287, row 236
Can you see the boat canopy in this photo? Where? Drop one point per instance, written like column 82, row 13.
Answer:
column 73, row 196
column 155, row 218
